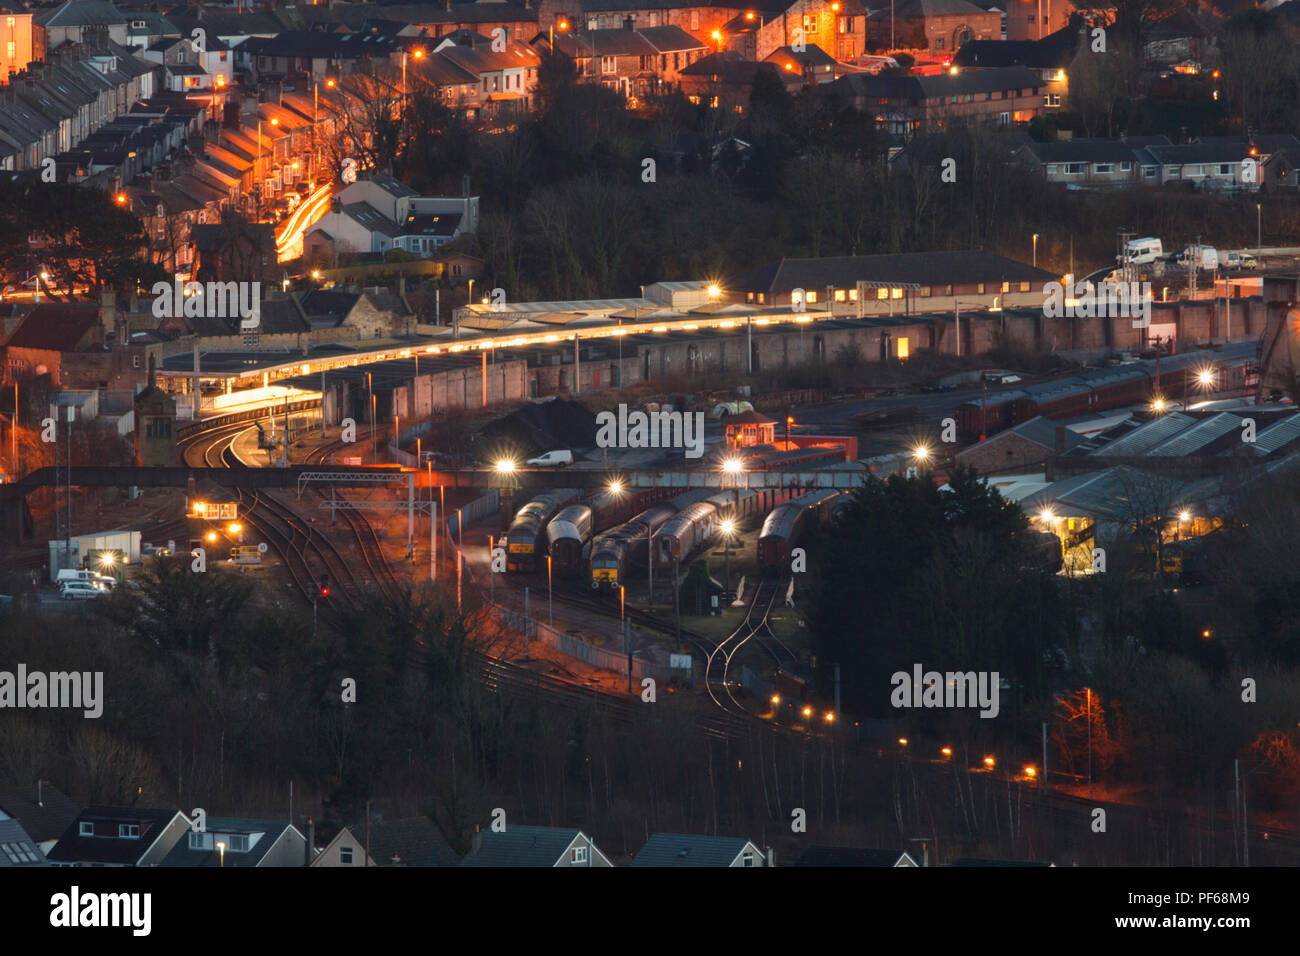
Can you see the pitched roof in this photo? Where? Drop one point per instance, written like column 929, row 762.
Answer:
column 1048, row 53
column 393, row 186
column 442, row 224
column 372, row 219
column 79, row 13
column 44, row 820
column 56, row 326
column 689, row 849
column 964, row 82
column 414, row 841
column 1087, row 151
column 108, row 847
column 270, row 830
column 852, row 856
column 18, row 847
column 522, row 846
column 919, row 268
column 728, row 66
column 671, row 38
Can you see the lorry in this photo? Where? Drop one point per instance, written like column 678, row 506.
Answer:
column 561, row 458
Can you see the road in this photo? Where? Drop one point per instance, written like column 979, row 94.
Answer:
column 288, row 240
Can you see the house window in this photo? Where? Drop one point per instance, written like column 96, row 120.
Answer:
column 938, row 43
column 663, row 61
column 18, row 852
column 239, row 843
column 1149, row 172
column 947, row 290
column 1193, row 171
column 1052, row 99
column 1024, row 287
column 578, row 855
column 809, row 24
column 846, row 24
column 1006, row 287
column 1225, row 169
column 1103, row 167
column 85, row 828
column 345, row 855
column 1071, row 169
column 979, row 288
column 1175, row 172
column 200, row 841
column 925, row 292
column 1125, row 167
column 902, row 347
column 135, row 361
column 1051, row 167
column 747, row 859
column 128, row 831
column 1031, row 18
column 1004, row 119
column 607, row 64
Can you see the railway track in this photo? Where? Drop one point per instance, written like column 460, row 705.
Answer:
column 718, row 664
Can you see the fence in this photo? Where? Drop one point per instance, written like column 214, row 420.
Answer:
column 574, row 646
column 490, row 503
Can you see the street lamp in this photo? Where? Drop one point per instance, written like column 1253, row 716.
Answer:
column 1035, row 250
column 1259, row 234
column 727, row 528
column 550, row 597
column 221, row 849
column 505, row 467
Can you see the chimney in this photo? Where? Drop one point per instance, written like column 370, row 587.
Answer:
column 1060, row 439
column 476, row 842
column 629, row 23
column 771, row 857
column 108, row 309
column 311, row 838
column 153, row 373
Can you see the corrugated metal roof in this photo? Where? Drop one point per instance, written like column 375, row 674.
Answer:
column 1145, row 437
column 1276, row 436
column 1190, row 440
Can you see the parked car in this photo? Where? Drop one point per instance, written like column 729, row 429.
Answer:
column 79, row 590
column 553, row 459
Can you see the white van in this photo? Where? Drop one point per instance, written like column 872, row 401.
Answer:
column 68, row 575
column 1199, row 257
column 1240, row 260
column 553, row 459
column 1144, row 251
column 78, row 590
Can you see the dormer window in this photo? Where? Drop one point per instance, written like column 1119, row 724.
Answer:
column 239, row 843
column 135, row 24
column 200, row 841
column 85, row 828
column 128, row 831
column 180, row 56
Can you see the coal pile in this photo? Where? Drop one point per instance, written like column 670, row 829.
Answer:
column 543, row 426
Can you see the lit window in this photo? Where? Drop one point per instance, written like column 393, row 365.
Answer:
column 810, row 297
column 841, row 295
column 882, row 294
column 853, row 295
column 979, row 288
column 1006, row 287
column 895, row 293
column 1024, row 287
column 902, row 347
column 925, row 292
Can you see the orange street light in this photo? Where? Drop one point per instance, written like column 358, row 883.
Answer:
column 418, row 54
column 121, row 198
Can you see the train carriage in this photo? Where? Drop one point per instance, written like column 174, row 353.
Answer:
column 787, row 525
column 527, row 541
column 566, row 535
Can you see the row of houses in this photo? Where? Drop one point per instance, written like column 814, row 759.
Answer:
column 1247, row 163
column 39, row 826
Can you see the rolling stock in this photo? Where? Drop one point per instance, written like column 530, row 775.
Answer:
column 789, row 524
column 527, row 543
